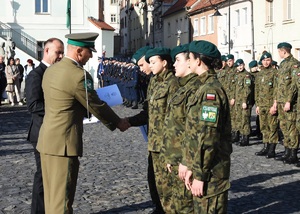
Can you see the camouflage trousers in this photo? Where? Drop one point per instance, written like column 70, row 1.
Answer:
column 216, row 204
column 287, row 122
column 268, row 125
column 242, row 119
column 176, row 198
column 232, row 118
column 158, row 168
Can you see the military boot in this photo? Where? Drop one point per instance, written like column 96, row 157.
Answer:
column 271, row 152
column 286, row 154
column 264, row 150
column 235, row 137
column 245, row 140
column 292, row 159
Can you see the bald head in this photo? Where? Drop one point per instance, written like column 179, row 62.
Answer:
column 53, row 50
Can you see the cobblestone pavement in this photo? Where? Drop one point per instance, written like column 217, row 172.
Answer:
column 112, row 176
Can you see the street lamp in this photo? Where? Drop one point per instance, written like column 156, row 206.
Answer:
column 178, row 37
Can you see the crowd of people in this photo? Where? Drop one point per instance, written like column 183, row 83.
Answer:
column 196, row 104
column 12, row 75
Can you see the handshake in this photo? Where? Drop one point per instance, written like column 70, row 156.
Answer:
column 124, row 124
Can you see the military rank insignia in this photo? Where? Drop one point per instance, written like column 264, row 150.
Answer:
column 210, row 96
column 209, row 114
column 88, row 84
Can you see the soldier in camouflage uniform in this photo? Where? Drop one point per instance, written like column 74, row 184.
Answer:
column 286, row 103
column 208, row 134
column 142, row 119
column 296, row 81
column 161, row 87
column 222, row 73
column 254, row 71
column 264, row 92
column 230, row 91
column 177, row 199
column 241, row 99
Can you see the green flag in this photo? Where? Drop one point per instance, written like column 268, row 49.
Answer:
column 69, row 14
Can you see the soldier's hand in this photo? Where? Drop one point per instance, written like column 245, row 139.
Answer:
column 123, row 125
column 169, row 167
column 287, row 106
column 232, row 101
column 182, row 170
column 244, row 106
column 188, row 180
column 257, row 110
column 272, row 110
column 197, row 188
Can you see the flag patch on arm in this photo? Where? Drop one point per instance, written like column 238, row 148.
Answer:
column 210, row 97
column 209, row 114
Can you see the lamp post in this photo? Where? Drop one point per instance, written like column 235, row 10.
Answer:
column 229, row 37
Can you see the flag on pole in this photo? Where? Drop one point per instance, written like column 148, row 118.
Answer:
column 69, row 14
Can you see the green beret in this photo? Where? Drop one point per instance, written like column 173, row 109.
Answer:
column 253, row 64
column 179, row 49
column 86, row 40
column 259, row 63
column 139, row 54
column 284, row 45
column 265, row 56
column 239, row 62
column 157, row 52
column 205, row 48
column 229, row 56
column 274, row 62
column 224, row 58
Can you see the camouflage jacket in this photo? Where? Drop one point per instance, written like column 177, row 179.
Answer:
column 230, row 83
column 243, row 88
column 175, row 119
column 285, row 90
column 222, row 76
column 207, row 140
column 161, row 87
column 264, row 87
column 296, row 82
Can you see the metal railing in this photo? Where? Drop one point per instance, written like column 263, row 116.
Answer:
column 22, row 40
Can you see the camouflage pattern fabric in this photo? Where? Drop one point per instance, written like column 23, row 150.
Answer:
column 215, row 204
column 243, row 94
column 286, row 92
column 208, row 136
column 171, row 152
column 230, row 91
column 264, row 91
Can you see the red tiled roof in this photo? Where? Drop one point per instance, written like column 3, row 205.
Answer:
column 178, row 6
column 190, row 3
column 101, row 24
column 205, row 3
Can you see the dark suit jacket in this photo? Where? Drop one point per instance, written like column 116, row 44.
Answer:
column 35, row 100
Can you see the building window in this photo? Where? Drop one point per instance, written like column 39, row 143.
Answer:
column 238, row 17
column 41, row 6
column 245, row 15
column 289, row 9
column 270, row 12
column 113, row 18
column 113, row 1
column 196, row 27
column 169, row 29
column 202, row 26
column 210, row 24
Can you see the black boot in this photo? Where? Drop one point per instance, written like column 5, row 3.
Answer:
column 245, row 140
column 271, row 151
column 292, row 159
column 297, row 164
column 287, row 153
column 264, row 150
column 235, row 136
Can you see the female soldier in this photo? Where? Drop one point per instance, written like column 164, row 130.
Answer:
column 162, row 85
column 207, row 134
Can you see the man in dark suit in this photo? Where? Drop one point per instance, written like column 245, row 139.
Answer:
column 53, row 52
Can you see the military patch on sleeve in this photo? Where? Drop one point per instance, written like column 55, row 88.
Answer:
column 210, row 96
column 209, row 114
column 88, row 84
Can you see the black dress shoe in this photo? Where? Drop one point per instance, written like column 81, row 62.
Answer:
column 135, row 107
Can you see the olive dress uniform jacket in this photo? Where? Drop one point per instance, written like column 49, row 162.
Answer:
column 67, row 97
column 35, row 101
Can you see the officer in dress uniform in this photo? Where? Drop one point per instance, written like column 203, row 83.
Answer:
column 69, row 96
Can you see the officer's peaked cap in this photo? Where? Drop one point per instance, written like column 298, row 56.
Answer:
column 86, row 40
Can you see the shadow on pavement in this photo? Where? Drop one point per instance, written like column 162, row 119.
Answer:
column 261, row 199
column 128, row 208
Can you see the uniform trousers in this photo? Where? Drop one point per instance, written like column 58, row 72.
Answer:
column 287, row 122
column 242, row 119
column 60, row 179
column 214, row 205
column 37, row 202
column 268, row 125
